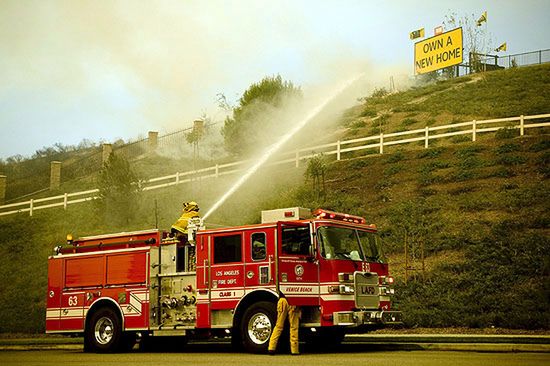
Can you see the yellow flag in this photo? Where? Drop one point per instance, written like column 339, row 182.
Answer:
column 419, row 33
column 502, row 47
column 482, row 18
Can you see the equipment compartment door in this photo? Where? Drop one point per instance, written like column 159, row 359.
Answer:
column 298, row 269
column 227, row 270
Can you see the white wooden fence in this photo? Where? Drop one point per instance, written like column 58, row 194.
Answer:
column 337, row 148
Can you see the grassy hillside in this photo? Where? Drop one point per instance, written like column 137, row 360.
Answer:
column 480, row 210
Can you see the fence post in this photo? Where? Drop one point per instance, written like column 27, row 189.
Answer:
column 338, row 150
column 2, row 189
column 474, row 130
column 297, row 158
column 540, row 57
column 217, row 171
column 521, row 125
column 381, row 143
column 152, row 141
column 65, row 200
column 106, row 151
column 31, row 206
column 55, row 174
column 426, row 139
column 177, row 178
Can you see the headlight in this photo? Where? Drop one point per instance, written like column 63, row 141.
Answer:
column 346, row 289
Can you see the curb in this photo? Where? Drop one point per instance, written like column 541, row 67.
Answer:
column 349, row 346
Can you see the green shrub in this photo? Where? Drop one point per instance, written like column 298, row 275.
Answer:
column 379, row 92
column 368, row 112
column 470, row 150
column 470, row 162
column 508, row 147
column 393, row 169
column 433, row 165
column 430, row 153
column 461, row 175
column 408, row 121
column 395, row 157
column 506, row 133
column 426, row 178
column 509, row 160
column 543, row 164
column 460, row 139
column 501, row 172
column 540, row 145
column 359, row 163
column 358, row 124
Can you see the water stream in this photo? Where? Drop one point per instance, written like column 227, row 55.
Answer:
column 277, row 145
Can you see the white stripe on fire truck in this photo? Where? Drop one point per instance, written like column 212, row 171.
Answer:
column 337, row 297
column 103, row 252
column 227, row 294
column 53, row 313
column 135, row 303
column 141, row 296
column 299, row 289
column 72, row 313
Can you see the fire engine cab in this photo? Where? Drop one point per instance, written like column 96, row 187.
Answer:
column 222, row 282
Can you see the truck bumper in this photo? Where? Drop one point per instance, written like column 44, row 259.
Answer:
column 367, row 317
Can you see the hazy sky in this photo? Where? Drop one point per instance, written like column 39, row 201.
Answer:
column 104, row 70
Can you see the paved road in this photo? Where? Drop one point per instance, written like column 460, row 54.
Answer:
column 221, row 355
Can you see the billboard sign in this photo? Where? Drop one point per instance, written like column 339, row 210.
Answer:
column 438, row 52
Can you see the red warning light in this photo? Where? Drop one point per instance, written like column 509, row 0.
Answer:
column 289, row 213
column 321, row 213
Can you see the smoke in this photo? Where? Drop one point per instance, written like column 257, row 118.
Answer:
column 117, row 69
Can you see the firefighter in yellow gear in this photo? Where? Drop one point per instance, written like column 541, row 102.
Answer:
column 293, row 312
column 190, row 210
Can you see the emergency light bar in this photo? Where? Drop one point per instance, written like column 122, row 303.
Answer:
column 326, row 214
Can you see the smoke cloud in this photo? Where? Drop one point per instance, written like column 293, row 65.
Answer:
column 108, row 70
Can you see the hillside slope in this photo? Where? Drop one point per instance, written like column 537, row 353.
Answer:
column 480, row 210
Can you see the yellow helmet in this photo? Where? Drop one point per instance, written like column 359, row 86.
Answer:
column 190, row 206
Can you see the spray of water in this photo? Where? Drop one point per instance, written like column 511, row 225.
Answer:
column 277, row 145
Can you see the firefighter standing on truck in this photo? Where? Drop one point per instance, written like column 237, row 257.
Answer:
column 190, row 210
column 293, row 312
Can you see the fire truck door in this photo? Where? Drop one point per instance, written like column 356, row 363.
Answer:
column 259, row 258
column 298, row 270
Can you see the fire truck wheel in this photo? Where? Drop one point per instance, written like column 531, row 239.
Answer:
column 104, row 331
column 257, row 324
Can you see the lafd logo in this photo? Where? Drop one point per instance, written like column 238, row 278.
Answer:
column 299, row 270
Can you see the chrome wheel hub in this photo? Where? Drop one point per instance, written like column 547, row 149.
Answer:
column 259, row 328
column 103, row 331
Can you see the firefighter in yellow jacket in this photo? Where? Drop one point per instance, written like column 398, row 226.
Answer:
column 293, row 312
column 190, row 210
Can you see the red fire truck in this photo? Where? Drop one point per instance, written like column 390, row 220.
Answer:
column 222, row 282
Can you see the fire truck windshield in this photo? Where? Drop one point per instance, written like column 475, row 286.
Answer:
column 347, row 243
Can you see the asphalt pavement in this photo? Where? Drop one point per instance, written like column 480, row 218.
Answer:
column 214, row 355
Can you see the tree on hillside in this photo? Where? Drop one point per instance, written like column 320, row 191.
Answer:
column 260, row 104
column 476, row 39
column 118, row 191
column 316, row 171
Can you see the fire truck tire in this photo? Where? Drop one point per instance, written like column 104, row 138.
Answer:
column 103, row 333
column 257, row 324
